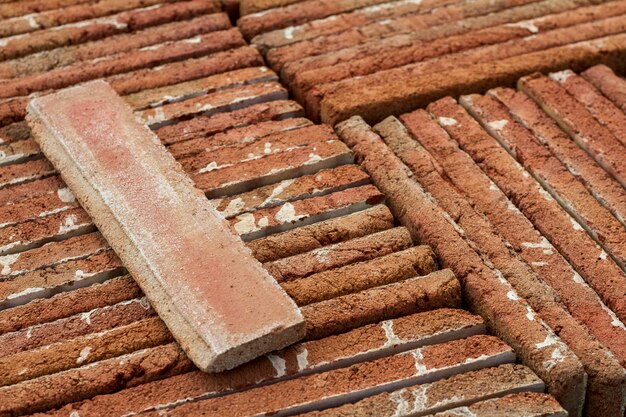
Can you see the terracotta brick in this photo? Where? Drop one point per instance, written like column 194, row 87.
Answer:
column 18, row 151
column 340, row 254
column 318, row 235
column 39, row 205
column 604, row 370
column 599, row 182
column 438, row 289
column 25, row 172
column 574, row 119
column 14, row 9
column 543, row 211
column 352, row 383
column 486, row 292
column 525, row 404
column 321, row 183
column 228, row 337
column 404, row 94
column 14, row 132
column 364, row 343
column 456, row 391
column 254, row 6
column 608, row 83
column 550, row 173
column 47, row 60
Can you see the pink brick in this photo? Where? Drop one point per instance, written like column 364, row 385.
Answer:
column 221, row 319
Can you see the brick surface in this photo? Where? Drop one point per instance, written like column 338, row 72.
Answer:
column 227, row 338
column 514, row 405
column 608, row 83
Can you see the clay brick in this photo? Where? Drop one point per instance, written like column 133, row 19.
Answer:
column 66, row 304
column 340, row 254
column 574, row 119
column 10, row 8
column 14, row 132
column 38, row 206
column 608, row 83
column 404, row 94
column 98, row 378
column 543, row 211
column 228, row 337
column 439, row 289
column 89, row 322
column 604, row 370
column 18, row 151
column 525, row 404
column 47, row 60
column 550, row 173
column 73, row 33
column 456, row 391
column 347, row 384
column 25, row 172
column 302, row 212
column 486, row 292
column 204, row 126
column 323, row 182
column 365, row 343
column 602, row 109
column 599, row 182
column 318, row 235
column 254, row 6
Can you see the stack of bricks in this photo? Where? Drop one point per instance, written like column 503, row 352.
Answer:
column 376, row 58
column 380, row 242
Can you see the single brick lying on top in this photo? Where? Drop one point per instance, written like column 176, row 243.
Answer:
column 222, row 318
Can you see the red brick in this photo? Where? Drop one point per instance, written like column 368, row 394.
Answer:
column 38, row 206
column 608, row 83
column 13, row 9
column 25, row 172
column 514, row 405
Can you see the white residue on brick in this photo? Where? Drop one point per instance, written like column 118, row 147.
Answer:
column 279, row 365
column 65, row 195
column 603, row 255
column 313, row 158
column 420, row 368
column 392, row 339
column 246, row 223
column 32, row 22
column 287, row 214
column 288, row 32
column 447, row 121
column 84, row 353
column 212, row 166
column 234, row 206
column 403, row 408
column 492, row 186
column 24, row 292
column 263, row 222
column 195, row 39
column 86, row 317
column 23, row 371
column 512, row 295
column 575, row 225
column 525, row 24
column 462, row 411
column 561, row 76
column 29, row 333
column 6, row 262
column 302, row 358
column 538, row 263
column 68, row 224
column 267, row 148
column 577, row 278
column 498, row 125
column 530, row 314
column 278, row 190
column 322, row 255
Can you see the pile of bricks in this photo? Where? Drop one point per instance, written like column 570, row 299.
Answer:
column 510, row 204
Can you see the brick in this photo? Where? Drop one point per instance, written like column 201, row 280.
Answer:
column 98, row 378
column 38, row 206
column 89, row 322
column 602, row 109
column 439, row 289
column 318, row 235
column 228, row 337
column 515, row 405
column 254, row 6
column 347, row 384
column 404, row 94
column 25, row 172
column 364, row 343
column 599, row 182
column 543, row 211
column 14, row 9
column 322, row 183
column 340, row 254
column 550, row 173
column 574, row 119
column 611, row 85
column 604, row 370
column 485, row 291
column 302, row 212
column 456, row 391
column 21, row 192
column 18, row 151
column 14, row 132
column 48, row 60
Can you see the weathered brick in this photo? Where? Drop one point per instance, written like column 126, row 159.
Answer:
column 525, row 404
column 608, row 83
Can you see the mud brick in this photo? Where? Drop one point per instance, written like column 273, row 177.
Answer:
column 89, row 322
column 364, row 343
column 544, row 212
column 608, row 83
column 486, row 292
column 525, row 404
column 65, row 123
column 438, row 289
column 576, row 120
column 94, row 379
column 550, row 173
column 57, row 307
column 324, row 233
column 404, row 94
column 47, row 60
column 456, row 391
column 38, row 206
column 236, row 136
column 398, row 266
column 204, row 126
column 341, row 254
column 73, row 33
column 178, row 92
column 604, row 370
column 289, row 215
column 321, row 183
column 599, row 182
column 347, row 384
column 602, row 109
column 46, row 282
column 273, row 168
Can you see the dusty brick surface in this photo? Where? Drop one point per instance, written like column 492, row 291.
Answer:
column 608, row 83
